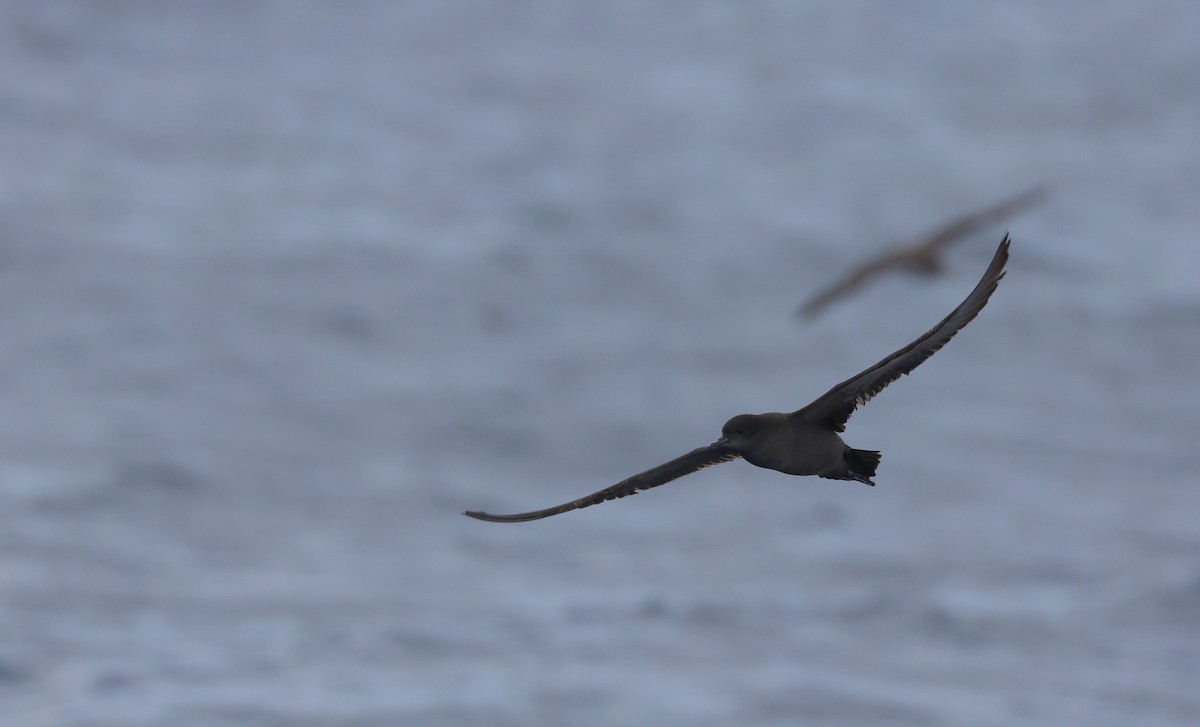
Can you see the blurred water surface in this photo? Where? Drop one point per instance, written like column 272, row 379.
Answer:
column 286, row 287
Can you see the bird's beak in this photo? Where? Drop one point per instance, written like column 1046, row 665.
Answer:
column 723, row 441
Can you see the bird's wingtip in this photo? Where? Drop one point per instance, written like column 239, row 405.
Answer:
column 488, row 517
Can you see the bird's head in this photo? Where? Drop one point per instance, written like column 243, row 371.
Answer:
column 739, row 430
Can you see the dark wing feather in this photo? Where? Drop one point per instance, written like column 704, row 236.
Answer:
column 660, row 475
column 834, row 408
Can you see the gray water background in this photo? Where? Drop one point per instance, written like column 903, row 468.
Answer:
column 285, row 287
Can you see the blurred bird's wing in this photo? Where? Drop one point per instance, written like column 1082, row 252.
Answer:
column 834, row 408
column 960, row 227
column 853, row 281
column 695, row 460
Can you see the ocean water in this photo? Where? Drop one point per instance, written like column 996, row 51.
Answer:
column 285, row 287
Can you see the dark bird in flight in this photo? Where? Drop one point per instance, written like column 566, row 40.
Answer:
column 806, row 441
column 921, row 256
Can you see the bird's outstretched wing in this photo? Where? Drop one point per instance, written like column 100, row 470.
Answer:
column 834, row 408
column 882, row 263
column 921, row 252
column 660, row 475
column 960, row 227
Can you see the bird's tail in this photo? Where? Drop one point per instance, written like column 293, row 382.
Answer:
column 862, row 464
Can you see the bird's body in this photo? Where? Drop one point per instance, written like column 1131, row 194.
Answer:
column 795, row 446
column 807, row 441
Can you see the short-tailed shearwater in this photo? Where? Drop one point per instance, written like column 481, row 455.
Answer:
column 922, row 255
column 806, row 441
